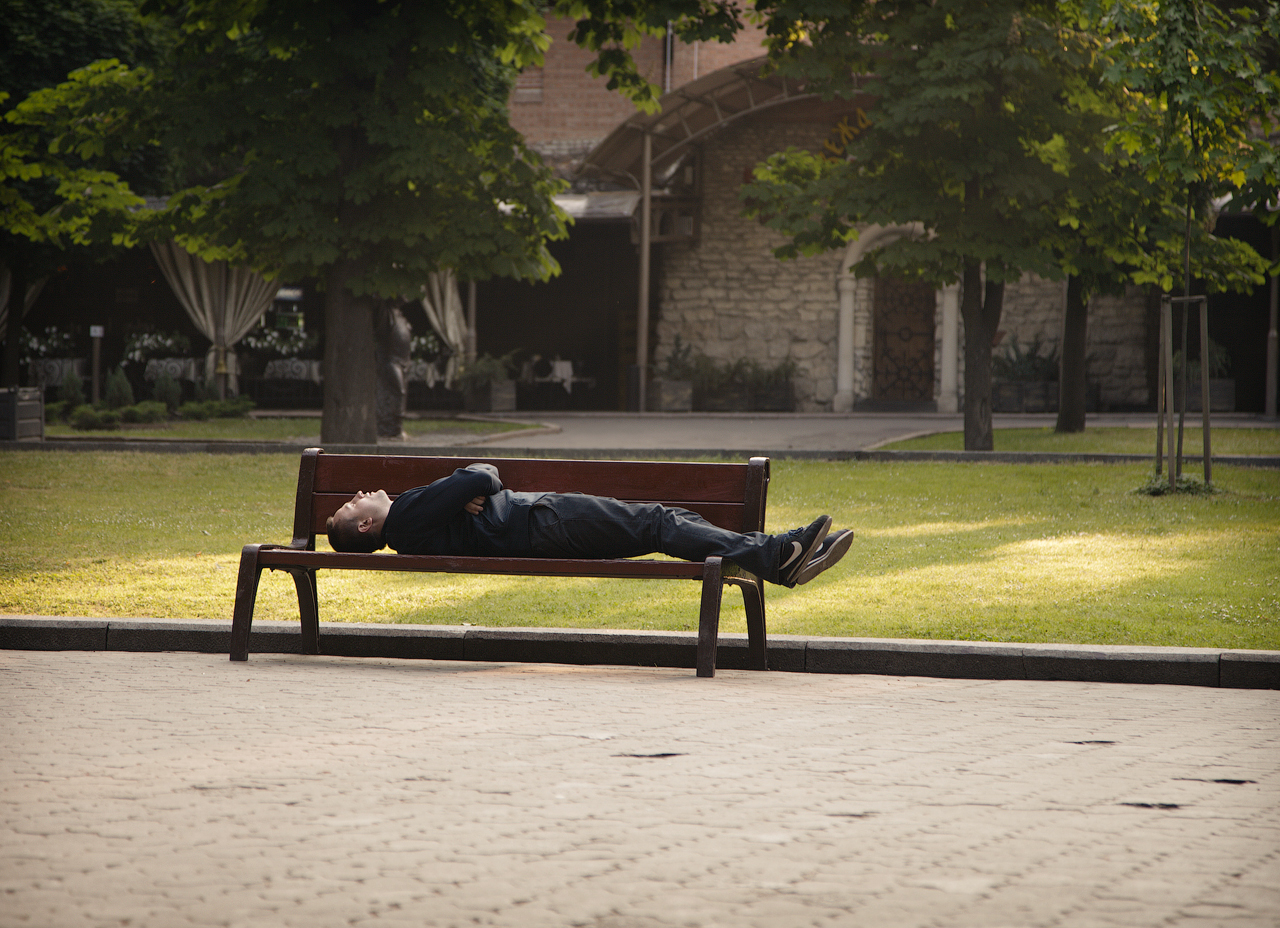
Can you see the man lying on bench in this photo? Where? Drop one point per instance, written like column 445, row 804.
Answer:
column 469, row 513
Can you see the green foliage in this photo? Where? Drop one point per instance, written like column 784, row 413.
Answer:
column 1219, row 362
column 1158, row 485
column 167, row 391
column 118, row 392
column 384, row 128
column 485, row 369
column 1204, row 103
column 1028, row 365
column 65, row 180
column 1206, row 76
column 612, row 28
column 86, row 418
column 146, row 412
column 71, row 391
column 199, row 410
column 969, row 97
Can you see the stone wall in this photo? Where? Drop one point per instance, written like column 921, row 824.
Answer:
column 729, row 297
column 1116, row 336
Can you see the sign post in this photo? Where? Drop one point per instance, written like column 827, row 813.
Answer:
column 96, row 332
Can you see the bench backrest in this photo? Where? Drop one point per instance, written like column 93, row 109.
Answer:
column 730, row 495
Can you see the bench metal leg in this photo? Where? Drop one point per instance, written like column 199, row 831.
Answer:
column 757, row 641
column 709, row 618
column 308, row 610
column 246, row 596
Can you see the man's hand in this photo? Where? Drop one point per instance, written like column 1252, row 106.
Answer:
column 475, row 505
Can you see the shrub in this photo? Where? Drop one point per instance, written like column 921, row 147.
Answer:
column 235, row 408
column 1030, row 365
column 118, row 392
column 146, row 411
column 72, row 390
column 55, row 411
column 86, row 418
column 197, row 411
column 1219, row 363
column 167, row 391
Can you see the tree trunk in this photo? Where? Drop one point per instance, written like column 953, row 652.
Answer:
column 350, row 365
column 13, row 327
column 980, row 308
column 1072, row 385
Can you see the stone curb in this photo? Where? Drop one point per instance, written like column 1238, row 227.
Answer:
column 980, row 660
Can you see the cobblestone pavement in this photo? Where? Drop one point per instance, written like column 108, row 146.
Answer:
column 180, row 789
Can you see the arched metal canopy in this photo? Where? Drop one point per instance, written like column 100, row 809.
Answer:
column 689, row 114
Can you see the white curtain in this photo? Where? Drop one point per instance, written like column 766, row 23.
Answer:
column 443, row 306
column 33, row 292
column 224, row 302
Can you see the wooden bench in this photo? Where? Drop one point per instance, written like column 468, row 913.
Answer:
column 730, row 495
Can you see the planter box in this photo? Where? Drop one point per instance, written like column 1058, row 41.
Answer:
column 1222, row 395
column 495, row 396
column 22, row 414
column 670, row 395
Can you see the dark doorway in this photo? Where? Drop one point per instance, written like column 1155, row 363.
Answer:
column 903, row 340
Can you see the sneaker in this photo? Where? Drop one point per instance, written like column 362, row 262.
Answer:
column 798, row 546
column 828, row 554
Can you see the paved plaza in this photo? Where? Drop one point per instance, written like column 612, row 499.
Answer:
column 173, row 789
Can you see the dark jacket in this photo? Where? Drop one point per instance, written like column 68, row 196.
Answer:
column 432, row 520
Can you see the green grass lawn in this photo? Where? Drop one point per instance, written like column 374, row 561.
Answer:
column 1109, row 440
column 293, row 428
column 1066, row 553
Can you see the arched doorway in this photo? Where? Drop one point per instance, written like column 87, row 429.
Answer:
column 902, row 341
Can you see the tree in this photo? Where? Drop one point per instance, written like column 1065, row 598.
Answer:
column 362, row 145
column 1192, row 94
column 53, row 200
column 969, row 110
column 1115, row 226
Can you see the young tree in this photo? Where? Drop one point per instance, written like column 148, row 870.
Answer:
column 1204, row 98
column 1116, row 227
column 969, row 103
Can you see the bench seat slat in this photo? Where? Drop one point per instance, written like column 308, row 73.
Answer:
column 524, row 566
column 677, row 481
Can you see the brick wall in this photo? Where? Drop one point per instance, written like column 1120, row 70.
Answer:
column 561, row 107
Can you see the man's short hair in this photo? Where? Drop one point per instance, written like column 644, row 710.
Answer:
column 345, row 535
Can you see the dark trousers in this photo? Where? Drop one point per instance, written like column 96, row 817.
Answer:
column 576, row 525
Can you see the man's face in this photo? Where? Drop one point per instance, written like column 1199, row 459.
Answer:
column 364, row 506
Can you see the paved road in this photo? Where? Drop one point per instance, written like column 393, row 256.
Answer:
column 765, row 432
column 182, row 789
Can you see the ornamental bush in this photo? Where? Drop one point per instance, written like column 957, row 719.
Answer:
column 118, row 392
column 167, row 391
column 72, row 390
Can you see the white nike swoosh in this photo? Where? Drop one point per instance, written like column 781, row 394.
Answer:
column 795, row 553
